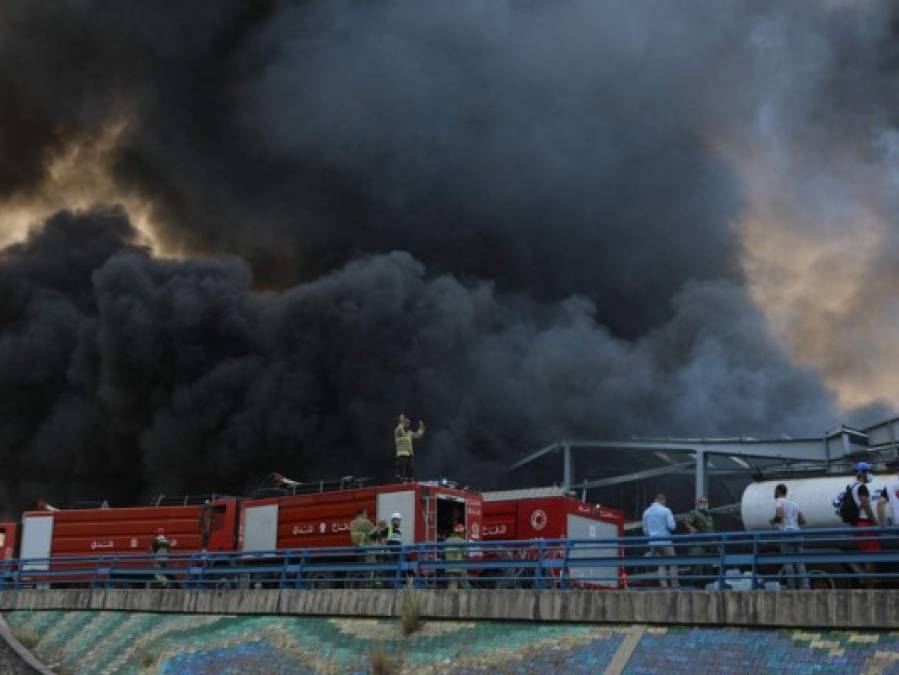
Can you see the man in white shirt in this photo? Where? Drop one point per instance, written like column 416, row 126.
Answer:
column 788, row 518
column 658, row 524
column 889, row 498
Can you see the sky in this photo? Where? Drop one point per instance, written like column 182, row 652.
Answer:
column 242, row 237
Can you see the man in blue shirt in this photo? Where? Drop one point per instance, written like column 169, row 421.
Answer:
column 658, row 524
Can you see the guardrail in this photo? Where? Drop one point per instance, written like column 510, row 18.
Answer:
column 724, row 560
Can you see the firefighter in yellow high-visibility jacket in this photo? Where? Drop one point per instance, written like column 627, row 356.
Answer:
column 403, row 434
column 456, row 577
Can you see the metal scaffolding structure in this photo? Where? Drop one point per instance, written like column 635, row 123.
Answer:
column 706, row 458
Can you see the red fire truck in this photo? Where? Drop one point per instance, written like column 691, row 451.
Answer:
column 549, row 513
column 429, row 511
column 106, row 531
column 287, row 518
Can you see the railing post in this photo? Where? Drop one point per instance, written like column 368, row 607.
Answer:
column 92, row 584
column 755, row 561
column 538, row 573
column 398, row 575
column 420, row 551
column 201, row 562
column 722, row 546
column 282, row 583
column 564, row 572
column 299, row 581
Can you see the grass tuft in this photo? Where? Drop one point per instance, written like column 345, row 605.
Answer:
column 148, row 659
column 381, row 663
column 410, row 618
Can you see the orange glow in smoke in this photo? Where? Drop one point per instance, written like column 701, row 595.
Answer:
column 76, row 178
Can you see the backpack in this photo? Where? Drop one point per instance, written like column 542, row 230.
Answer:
column 847, row 508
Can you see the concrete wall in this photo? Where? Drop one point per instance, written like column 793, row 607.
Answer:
column 824, row 609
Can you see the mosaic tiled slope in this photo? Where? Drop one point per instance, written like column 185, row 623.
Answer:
column 745, row 650
column 91, row 643
column 95, row 642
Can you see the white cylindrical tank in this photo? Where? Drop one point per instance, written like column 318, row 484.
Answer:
column 817, row 498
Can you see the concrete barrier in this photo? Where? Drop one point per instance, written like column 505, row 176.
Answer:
column 824, row 609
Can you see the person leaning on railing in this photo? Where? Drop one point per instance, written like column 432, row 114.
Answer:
column 861, row 495
column 658, row 525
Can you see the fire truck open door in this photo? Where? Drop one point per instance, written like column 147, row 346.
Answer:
column 450, row 510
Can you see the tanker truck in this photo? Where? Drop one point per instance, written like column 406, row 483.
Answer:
column 819, row 500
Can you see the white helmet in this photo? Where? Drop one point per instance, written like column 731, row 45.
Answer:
column 396, row 516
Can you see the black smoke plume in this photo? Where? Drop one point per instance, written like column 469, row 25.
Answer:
column 512, row 219
column 125, row 374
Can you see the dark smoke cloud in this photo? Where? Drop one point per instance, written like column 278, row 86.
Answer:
column 124, row 374
column 486, row 138
column 512, row 219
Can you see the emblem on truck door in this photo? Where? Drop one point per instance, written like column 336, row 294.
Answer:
column 538, row 519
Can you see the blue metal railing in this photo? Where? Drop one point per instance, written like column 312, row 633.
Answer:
column 717, row 560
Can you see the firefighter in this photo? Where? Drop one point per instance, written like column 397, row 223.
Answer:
column 160, row 545
column 455, row 577
column 394, row 538
column 699, row 521
column 361, row 529
column 403, row 435
column 378, row 537
column 42, row 505
column 394, row 531
column 379, row 534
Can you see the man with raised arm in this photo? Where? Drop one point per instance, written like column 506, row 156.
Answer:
column 403, row 435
